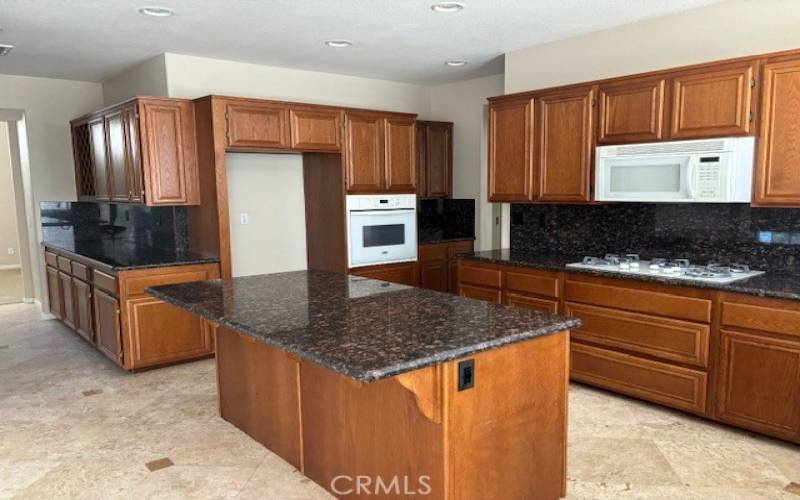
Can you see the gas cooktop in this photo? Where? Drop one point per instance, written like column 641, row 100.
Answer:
column 680, row 269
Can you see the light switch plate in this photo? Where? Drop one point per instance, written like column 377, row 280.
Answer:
column 244, row 218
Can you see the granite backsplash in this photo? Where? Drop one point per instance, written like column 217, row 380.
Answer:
column 445, row 219
column 763, row 238
column 150, row 227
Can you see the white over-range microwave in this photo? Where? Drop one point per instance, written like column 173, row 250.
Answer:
column 381, row 229
column 704, row 171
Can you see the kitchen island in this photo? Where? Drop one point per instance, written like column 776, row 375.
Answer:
column 378, row 390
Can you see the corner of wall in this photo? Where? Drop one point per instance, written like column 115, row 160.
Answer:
column 146, row 78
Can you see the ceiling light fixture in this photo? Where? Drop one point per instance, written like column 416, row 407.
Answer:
column 338, row 43
column 157, row 11
column 447, row 7
column 455, row 63
column 5, row 49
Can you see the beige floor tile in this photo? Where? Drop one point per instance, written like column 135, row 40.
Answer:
column 619, row 460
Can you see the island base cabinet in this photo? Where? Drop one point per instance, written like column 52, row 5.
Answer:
column 411, row 435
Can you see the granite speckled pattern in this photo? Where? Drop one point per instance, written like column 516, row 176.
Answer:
column 775, row 284
column 445, row 219
column 362, row 328
column 124, row 256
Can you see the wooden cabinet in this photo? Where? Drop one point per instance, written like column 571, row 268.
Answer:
column 528, row 302
column 364, row 157
column 631, row 111
column 433, row 275
column 83, row 309
column 404, row 273
column 107, row 327
column 438, row 266
column 400, row 135
column 713, row 102
column 67, row 299
column 777, row 176
column 315, row 128
column 481, row 293
column 565, row 132
column 54, row 294
column 434, row 159
column 257, row 125
column 511, row 151
column 141, row 151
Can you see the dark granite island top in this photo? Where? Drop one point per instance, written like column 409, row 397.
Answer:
column 362, row 328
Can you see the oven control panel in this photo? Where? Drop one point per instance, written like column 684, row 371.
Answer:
column 381, row 202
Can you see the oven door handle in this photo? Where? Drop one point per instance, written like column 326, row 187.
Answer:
column 398, row 211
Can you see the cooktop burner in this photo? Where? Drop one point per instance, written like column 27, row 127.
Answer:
column 712, row 272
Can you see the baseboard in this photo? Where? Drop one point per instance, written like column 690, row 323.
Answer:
column 8, row 267
column 45, row 314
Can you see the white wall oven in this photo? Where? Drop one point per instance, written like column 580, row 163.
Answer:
column 381, row 229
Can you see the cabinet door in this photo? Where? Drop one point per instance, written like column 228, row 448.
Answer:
column 564, row 159
column 169, row 152
column 405, row 273
column 528, row 302
column 118, row 167
column 257, row 126
column 83, row 309
column 401, row 173
column 82, row 154
column 712, row 103
column 97, row 134
column 135, row 180
column 511, row 151
column 106, row 324
column 759, row 383
column 160, row 333
column 632, row 111
column 480, row 293
column 439, row 159
column 68, row 299
column 54, row 293
column 452, row 276
column 364, row 157
column 777, row 174
column 316, row 129
column 422, row 158
column 433, row 275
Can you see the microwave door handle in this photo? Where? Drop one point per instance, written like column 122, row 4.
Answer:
column 690, row 178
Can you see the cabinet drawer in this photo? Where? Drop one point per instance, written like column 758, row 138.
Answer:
column 668, row 339
column 669, row 385
column 404, row 273
column 80, row 271
column 477, row 275
column 51, row 259
column 534, row 303
column 760, row 317
column 133, row 285
column 639, row 300
column 480, row 293
column 64, row 264
column 532, row 282
column 432, row 252
column 104, row 281
column 458, row 247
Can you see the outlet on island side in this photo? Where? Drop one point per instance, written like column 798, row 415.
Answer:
column 466, row 374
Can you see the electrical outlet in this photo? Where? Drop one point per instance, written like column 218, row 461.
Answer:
column 244, row 218
column 11, row 251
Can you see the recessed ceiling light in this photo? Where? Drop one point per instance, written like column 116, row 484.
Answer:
column 454, row 63
column 5, row 49
column 157, row 11
column 338, row 43
column 447, row 6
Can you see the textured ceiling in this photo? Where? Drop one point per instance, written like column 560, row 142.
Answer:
column 399, row 40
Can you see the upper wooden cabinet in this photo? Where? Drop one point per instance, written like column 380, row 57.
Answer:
column 777, row 176
column 434, row 159
column 563, row 163
column 315, row 128
column 379, row 152
column 257, row 125
column 142, row 151
column 511, row 150
column 631, row 111
column 714, row 102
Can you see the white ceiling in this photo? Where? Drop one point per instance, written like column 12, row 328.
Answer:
column 399, row 40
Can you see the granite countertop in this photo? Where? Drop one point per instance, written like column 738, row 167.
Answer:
column 362, row 328
column 443, row 239
column 124, row 255
column 780, row 285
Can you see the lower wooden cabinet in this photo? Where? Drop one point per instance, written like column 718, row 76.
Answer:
column 433, row 275
column 404, row 273
column 67, row 300
column 54, row 295
column 528, row 302
column 438, row 266
column 106, row 324
column 481, row 293
column 83, row 309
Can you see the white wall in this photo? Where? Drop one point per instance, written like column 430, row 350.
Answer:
column 728, row 29
column 146, row 78
column 464, row 104
column 48, row 105
column 269, row 188
column 8, row 209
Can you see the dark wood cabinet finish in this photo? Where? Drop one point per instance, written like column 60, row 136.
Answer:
column 83, row 309
column 481, row 293
column 134, row 170
column 364, row 157
column 119, row 167
column 54, row 294
column 315, row 128
column 631, row 111
column 257, row 125
column 777, row 176
column 102, row 181
column 438, row 265
column 107, row 327
column 712, row 103
column 434, row 159
column 433, row 275
column 67, row 299
column 511, row 151
column 565, row 132
column 399, row 139
column 404, row 273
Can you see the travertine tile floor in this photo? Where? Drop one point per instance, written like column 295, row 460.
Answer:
column 74, row 426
